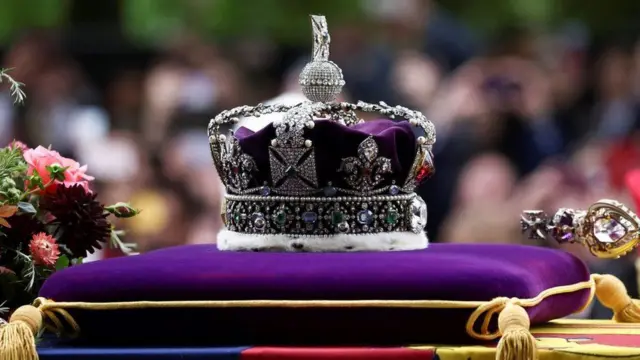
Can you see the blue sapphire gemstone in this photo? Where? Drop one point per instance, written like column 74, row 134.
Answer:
column 310, row 217
column 329, row 191
column 365, row 217
column 394, row 190
column 265, row 191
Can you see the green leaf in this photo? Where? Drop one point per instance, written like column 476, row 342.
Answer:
column 15, row 86
column 56, row 171
column 77, row 261
column 116, row 243
column 26, row 207
column 12, row 163
column 35, row 181
column 63, row 262
column 28, row 272
column 122, row 210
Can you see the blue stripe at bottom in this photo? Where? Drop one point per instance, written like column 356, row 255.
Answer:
column 77, row 353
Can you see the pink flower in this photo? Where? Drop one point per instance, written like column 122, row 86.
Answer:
column 44, row 249
column 15, row 144
column 41, row 160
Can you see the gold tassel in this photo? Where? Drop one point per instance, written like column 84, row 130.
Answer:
column 516, row 343
column 17, row 338
column 613, row 294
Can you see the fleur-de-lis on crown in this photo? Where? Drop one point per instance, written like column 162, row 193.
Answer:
column 237, row 166
column 366, row 171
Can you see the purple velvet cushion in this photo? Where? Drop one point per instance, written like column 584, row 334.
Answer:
column 201, row 272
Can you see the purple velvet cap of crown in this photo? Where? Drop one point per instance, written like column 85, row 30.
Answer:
column 333, row 142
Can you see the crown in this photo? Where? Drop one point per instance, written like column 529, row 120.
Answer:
column 319, row 178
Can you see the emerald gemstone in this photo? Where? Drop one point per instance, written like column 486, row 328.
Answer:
column 392, row 217
column 236, row 217
column 337, row 217
column 281, row 217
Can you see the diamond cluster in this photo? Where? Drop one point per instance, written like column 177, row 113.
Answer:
column 367, row 170
column 321, row 81
column 237, row 167
column 293, row 170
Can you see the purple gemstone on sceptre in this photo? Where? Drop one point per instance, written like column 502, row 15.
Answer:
column 563, row 230
column 568, row 237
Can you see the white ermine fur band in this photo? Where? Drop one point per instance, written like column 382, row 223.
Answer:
column 389, row 241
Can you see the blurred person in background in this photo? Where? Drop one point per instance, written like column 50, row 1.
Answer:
column 497, row 103
column 481, row 209
column 616, row 113
column 124, row 100
column 190, row 84
column 63, row 108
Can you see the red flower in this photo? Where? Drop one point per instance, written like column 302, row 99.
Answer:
column 81, row 219
column 44, row 249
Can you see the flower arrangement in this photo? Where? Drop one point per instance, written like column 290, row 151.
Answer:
column 49, row 216
column 49, row 220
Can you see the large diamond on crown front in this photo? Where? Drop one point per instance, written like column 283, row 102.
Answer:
column 365, row 171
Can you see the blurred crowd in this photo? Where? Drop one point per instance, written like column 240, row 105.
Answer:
column 525, row 118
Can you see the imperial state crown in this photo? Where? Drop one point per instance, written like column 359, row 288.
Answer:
column 319, row 178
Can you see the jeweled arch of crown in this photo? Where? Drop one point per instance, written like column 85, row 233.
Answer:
column 373, row 207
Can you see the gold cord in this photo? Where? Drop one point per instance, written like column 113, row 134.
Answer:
column 489, row 309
